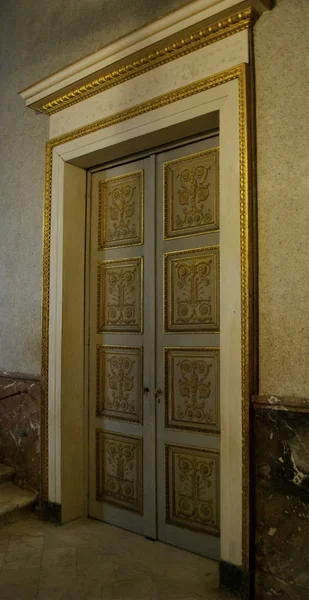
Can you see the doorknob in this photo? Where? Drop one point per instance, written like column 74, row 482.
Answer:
column 157, row 390
column 146, row 389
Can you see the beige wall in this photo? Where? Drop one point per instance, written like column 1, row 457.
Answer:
column 281, row 55
column 39, row 37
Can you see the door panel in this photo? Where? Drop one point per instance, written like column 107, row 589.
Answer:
column 154, row 347
column 188, row 353
column 121, row 353
column 192, row 382
column 120, row 296
column 192, row 486
column 121, row 205
column 191, row 194
column 120, row 383
column 191, row 294
column 120, row 474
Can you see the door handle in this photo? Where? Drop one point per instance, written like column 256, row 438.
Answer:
column 157, row 391
column 146, row 389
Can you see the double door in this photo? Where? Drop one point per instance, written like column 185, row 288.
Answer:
column 154, row 356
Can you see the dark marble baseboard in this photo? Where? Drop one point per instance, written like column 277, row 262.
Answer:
column 51, row 511
column 269, row 587
column 20, row 417
column 16, row 376
column 281, row 502
column 236, row 580
column 286, row 403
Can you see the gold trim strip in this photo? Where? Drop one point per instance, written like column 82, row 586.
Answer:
column 203, row 37
column 245, row 260
column 234, row 73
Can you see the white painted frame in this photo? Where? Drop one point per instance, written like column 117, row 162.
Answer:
column 225, row 99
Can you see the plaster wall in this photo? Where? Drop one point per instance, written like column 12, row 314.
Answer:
column 39, row 38
column 36, row 39
column 281, row 58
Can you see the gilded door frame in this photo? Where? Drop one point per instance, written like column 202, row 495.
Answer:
column 241, row 74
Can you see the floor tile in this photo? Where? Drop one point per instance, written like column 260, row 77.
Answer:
column 50, row 594
column 30, row 527
column 4, row 542
column 22, row 560
column 18, row 592
column 25, row 543
column 24, row 576
column 134, row 589
column 90, row 560
column 62, row 577
column 90, row 555
column 107, row 592
column 177, row 588
column 99, row 572
column 54, row 541
column 75, row 592
column 59, row 557
column 129, row 569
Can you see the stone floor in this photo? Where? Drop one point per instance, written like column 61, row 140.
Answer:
column 90, row 560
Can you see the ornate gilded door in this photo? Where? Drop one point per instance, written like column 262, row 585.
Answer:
column 154, row 418
column 187, row 347
column 121, row 348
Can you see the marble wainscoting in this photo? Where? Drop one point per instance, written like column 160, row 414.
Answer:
column 20, row 427
column 282, row 497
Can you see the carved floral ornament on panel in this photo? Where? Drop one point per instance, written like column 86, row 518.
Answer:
column 192, row 488
column 192, row 389
column 119, row 382
column 120, row 301
column 191, row 194
column 192, row 290
column 121, row 211
column 119, row 470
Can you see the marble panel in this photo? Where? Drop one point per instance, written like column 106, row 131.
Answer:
column 20, row 416
column 282, row 503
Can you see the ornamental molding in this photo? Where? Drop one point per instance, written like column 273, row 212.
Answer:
column 235, row 73
column 181, row 32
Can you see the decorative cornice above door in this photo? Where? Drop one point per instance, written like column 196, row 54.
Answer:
column 151, row 46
